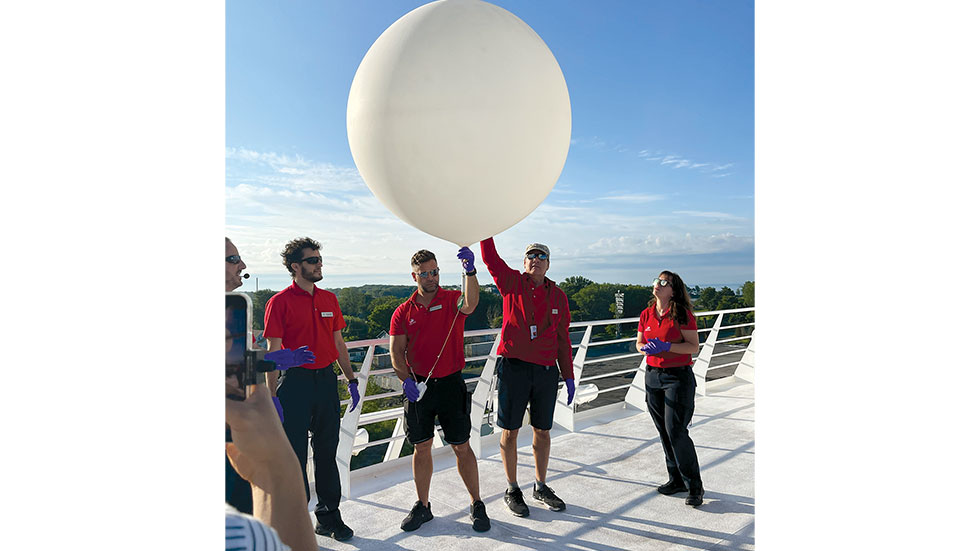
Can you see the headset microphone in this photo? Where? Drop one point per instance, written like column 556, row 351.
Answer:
column 245, row 276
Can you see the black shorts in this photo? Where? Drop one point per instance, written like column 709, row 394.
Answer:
column 446, row 398
column 521, row 383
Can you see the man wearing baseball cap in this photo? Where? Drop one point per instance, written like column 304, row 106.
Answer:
column 534, row 338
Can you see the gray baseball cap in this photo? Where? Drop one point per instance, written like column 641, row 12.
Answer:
column 538, row 247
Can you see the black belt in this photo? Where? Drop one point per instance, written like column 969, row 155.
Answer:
column 652, row 367
column 434, row 380
column 327, row 369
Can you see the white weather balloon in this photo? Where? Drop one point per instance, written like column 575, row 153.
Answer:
column 459, row 119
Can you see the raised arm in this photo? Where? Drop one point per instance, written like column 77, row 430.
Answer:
column 501, row 273
column 471, row 288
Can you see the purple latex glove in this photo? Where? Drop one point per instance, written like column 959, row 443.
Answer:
column 570, row 387
column 275, row 402
column 287, row 358
column 465, row 255
column 355, row 395
column 411, row 391
column 655, row 346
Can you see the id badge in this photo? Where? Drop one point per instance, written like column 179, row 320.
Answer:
column 534, row 332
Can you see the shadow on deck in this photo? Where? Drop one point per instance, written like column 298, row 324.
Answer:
column 607, row 472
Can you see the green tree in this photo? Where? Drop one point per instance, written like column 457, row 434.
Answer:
column 635, row 299
column 748, row 294
column 259, row 298
column 595, row 299
column 572, row 285
column 489, row 307
column 708, row 300
column 357, row 328
column 353, row 302
column 381, row 310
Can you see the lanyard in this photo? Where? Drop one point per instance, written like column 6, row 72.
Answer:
column 528, row 299
column 439, row 355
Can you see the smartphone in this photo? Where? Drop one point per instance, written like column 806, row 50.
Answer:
column 240, row 369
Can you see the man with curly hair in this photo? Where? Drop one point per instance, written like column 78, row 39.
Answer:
column 305, row 315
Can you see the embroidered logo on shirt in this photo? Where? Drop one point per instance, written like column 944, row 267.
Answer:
column 326, row 314
column 647, row 329
column 411, row 321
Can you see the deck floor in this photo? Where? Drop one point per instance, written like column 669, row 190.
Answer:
column 606, row 472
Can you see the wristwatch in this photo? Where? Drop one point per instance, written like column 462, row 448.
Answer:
column 353, row 381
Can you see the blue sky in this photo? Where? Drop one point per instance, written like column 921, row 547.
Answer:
column 660, row 170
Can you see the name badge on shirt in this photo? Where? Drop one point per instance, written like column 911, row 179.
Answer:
column 534, row 332
column 326, row 314
column 434, row 308
column 554, row 311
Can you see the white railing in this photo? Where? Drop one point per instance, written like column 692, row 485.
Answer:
column 483, row 397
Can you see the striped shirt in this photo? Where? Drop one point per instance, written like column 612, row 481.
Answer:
column 247, row 533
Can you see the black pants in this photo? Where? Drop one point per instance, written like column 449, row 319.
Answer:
column 310, row 404
column 670, row 401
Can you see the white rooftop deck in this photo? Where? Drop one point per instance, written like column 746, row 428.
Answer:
column 607, row 472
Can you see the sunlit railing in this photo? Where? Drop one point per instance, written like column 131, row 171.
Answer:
column 601, row 358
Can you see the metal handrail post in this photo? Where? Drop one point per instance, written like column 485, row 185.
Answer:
column 565, row 414
column 348, row 426
column 704, row 357
column 746, row 365
column 480, row 399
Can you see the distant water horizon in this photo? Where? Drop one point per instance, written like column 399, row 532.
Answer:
column 278, row 282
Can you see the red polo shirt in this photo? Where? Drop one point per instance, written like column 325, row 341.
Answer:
column 525, row 304
column 299, row 318
column 427, row 329
column 666, row 330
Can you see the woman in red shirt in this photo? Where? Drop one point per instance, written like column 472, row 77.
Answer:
column 668, row 335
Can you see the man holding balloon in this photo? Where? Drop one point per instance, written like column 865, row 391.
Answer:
column 533, row 338
column 427, row 354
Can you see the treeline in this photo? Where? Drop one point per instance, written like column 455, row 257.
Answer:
column 588, row 300
column 367, row 309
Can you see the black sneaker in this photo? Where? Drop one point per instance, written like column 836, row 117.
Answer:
column 695, row 498
column 417, row 516
column 515, row 501
column 478, row 514
column 330, row 524
column 547, row 496
column 672, row 487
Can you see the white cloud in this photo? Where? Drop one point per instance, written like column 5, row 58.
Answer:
column 708, row 214
column 633, row 198
column 294, row 172
column 272, row 198
column 669, row 243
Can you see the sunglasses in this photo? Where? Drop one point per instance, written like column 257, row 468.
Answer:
column 661, row 282
column 313, row 260
column 233, row 259
column 427, row 273
column 532, row 256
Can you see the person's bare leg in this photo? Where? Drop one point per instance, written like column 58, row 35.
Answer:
column 468, row 470
column 508, row 453
column 422, row 469
column 541, row 445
